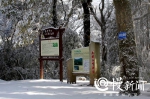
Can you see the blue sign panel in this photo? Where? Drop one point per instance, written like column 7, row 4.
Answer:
column 122, row 35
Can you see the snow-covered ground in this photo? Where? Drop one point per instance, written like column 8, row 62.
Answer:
column 54, row 89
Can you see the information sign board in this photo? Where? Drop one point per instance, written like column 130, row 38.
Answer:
column 50, row 47
column 80, row 59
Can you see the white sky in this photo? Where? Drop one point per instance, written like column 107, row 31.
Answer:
column 54, row 89
column 95, row 2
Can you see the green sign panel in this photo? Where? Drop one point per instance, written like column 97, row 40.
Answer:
column 80, row 59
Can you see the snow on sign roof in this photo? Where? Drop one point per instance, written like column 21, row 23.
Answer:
column 95, row 36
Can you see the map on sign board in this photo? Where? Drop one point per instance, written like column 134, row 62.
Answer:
column 122, row 35
column 80, row 59
column 50, row 48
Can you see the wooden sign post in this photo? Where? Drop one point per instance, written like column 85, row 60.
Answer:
column 94, row 50
column 50, row 47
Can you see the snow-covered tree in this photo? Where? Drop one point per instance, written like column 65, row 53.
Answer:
column 19, row 44
column 127, row 47
column 141, row 17
column 104, row 21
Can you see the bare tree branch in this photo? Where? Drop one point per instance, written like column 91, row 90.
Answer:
column 94, row 15
column 63, row 9
column 109, row 12
column 69, row 15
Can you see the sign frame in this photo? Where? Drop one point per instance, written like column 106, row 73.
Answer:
column 51, row 34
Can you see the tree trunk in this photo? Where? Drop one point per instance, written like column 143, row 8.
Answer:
column 127, row 47
column 104, row 53
column 86, row 22
column 54, row 13
column 103, row 31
